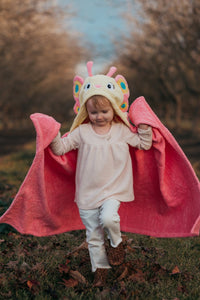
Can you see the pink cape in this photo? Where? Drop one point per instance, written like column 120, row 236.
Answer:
column 167, row 191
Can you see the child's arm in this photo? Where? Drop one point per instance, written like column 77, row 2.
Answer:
column 56, row 145
column 60, row 146
column 142, row 139
column 145, row 136
column 143, row 126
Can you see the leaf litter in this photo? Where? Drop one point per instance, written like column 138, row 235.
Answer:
column 73, row 272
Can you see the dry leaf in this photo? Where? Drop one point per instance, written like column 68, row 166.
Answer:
column 70, row 282
column 67, row 262
column 131, row 249
column 32, row 284
column 16, row 236
column 123, row 274
column 64, row 269
column 138, row 276
column 129, row 241
column 175, row 271
column 83, row 246
column 78, row 276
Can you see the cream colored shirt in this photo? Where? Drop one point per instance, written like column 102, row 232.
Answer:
column 104, row 168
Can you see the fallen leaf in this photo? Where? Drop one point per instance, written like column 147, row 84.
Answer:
column 67, row 262
column 64, row 269
column 139, row 276
column 16, row 236
column 11, row 233
column 78, row 276
column 131, row 249
column 123, row 274
column 129, row 241
column 70, row 282
column 175, row 271
column 32, row 284
column 83, row 246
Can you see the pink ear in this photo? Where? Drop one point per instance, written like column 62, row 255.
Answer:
column 77, row 84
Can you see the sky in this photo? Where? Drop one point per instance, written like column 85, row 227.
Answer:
column 101, row 23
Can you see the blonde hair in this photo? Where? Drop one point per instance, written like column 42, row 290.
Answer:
column 99, row 101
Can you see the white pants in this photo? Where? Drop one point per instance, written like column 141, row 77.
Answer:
column 96, row 220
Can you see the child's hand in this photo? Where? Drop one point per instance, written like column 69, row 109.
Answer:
column 143, row 126
column 56, row 138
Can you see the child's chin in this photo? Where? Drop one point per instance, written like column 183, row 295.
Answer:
column 101, row 123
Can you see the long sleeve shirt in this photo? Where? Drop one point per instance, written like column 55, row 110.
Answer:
column 104, row 168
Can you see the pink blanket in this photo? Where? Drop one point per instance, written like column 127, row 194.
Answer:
column 167, row 191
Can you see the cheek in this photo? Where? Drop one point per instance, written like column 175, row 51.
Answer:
column 112, row 115
column 91, row 117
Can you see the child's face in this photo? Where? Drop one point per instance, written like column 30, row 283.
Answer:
column 100, row 114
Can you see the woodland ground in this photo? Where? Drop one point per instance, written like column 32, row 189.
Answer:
column 58, row 267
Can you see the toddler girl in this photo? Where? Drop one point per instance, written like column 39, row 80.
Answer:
column 104, row 177
column 167, row 190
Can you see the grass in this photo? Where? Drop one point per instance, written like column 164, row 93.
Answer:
column 58, row 267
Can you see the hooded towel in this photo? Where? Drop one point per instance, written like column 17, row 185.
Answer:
column 167, row 191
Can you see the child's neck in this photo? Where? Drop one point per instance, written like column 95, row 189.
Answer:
column 101, row 129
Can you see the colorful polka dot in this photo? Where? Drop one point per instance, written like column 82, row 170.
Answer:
column 123, row 86
column 77, row 109
column 76, row 88
column 124, row 107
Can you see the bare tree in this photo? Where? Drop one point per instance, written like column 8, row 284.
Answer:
column 162, row 56
column 37, row 59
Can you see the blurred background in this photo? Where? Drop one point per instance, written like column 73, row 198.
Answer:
column 155, row 44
